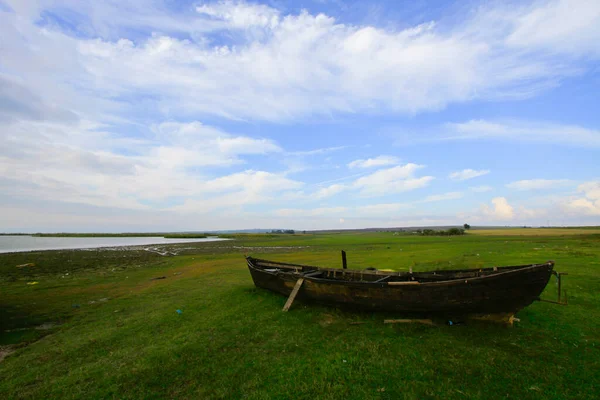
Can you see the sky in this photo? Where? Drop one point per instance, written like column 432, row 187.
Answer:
column 325, row 114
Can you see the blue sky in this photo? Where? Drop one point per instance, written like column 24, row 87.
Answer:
column 206, row 115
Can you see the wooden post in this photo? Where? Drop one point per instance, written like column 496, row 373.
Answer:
column 559, row 281
column 290, row 299
column 559, row 276
column 344, row 264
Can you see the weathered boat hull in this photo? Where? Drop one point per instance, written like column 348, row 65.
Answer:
column 497, row 290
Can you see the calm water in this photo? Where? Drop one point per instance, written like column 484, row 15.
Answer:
column 29, row 243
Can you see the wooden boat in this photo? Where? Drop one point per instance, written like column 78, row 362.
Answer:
column 458, row 292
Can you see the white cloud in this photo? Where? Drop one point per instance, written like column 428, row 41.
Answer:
column 321, row 151
column 466, row 174
column 566, row 26
column 391, row 180
column 535, row 184
column 79, row 163
column 523, row 131
column 500, row 210
column 387, row 175
column 379, row 161
column 288, row 65
column 323, row 211
column 590, row 203
column 256, row 181
column 381, row 182
column 329, row 191
column 241, row 15
column 537, row 214
column 386, row 209
column 444, row 196
column 232, row 192
column 591, row 189
column 584, row 206
column 481, row 189
column 547, row 210
column 368, row 211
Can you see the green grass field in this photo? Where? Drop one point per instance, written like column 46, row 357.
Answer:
column 96, row 326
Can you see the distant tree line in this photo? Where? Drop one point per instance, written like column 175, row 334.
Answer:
column 280, row 231
column 449, row 232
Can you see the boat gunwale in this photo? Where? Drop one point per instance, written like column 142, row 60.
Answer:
column 454, row 281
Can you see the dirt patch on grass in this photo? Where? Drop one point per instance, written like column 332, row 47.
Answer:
column 326, row 319
column 47, row 326
column 5, row 351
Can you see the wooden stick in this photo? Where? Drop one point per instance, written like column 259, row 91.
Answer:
column 553, row 302
column 383, row 279
column 344, row 263
column 290, row 299
column 312, row 273
column 408, row 321
column 403, row 283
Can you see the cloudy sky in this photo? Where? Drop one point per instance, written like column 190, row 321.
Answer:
column 147, row 115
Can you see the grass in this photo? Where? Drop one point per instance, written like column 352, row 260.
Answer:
column 119, row 335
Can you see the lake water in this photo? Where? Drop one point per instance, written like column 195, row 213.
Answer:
column 10, row 244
